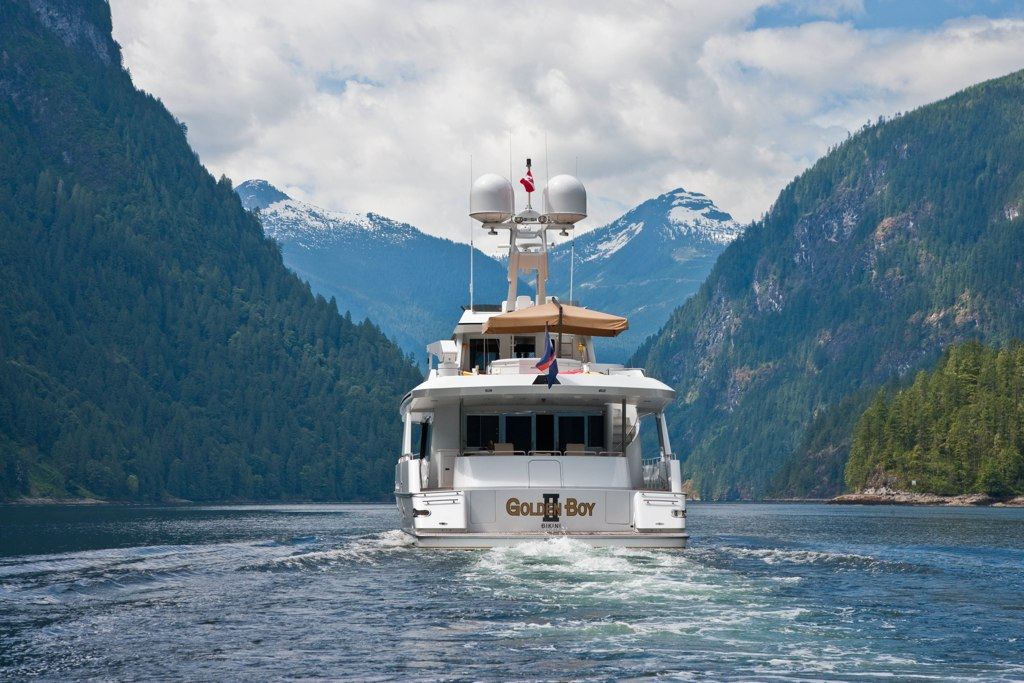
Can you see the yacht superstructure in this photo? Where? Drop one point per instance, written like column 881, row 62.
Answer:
column 496, row 451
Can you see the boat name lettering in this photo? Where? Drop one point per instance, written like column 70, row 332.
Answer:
column 571, row 508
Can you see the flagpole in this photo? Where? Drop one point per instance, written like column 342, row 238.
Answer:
column 529, row 194
column 558, row 303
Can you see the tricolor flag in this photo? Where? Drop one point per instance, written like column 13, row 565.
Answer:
column 548, row 362
column 527, row 180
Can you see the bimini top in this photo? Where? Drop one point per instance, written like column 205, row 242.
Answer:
column 557, row 318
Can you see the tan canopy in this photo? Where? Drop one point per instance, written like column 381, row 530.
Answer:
column 574, row 320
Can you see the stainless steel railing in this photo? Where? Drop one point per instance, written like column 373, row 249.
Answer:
column 656, row 472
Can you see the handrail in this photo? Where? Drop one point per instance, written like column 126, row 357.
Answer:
column 549, row 454
column 656, row 474
column 631, row 433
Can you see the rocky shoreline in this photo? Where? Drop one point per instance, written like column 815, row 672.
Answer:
column 885, row 496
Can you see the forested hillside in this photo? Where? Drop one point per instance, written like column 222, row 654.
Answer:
column 903, row 240
column 959, row 428
column 152, row 343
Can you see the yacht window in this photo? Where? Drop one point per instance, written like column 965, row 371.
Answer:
column 421, row 436
column 481, row 431
column 482, row 352
column 551, row 432
column 595, row 432
column 571, row 429
column 545, row 432
column 519, row 432
column 524, row 347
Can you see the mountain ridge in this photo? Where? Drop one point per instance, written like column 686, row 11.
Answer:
column 900, row 241
column 408, row 282
column 645, row 263
column 641, row 265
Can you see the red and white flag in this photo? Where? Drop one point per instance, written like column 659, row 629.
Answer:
column 527, row 180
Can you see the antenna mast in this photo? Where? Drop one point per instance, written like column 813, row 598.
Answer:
column 471, row 248
column 572, row 246
column 491, row 202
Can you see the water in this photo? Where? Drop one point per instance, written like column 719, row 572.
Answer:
column 766, row 592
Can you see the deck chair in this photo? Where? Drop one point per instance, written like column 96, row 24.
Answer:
column 504, row 449
column 575, row 449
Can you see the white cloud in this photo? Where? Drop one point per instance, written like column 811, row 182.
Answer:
column 375, row 106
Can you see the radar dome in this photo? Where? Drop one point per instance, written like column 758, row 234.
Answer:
column 565, row 200
column 490, row 200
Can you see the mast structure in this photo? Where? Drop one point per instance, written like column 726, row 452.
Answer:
column 492, row 202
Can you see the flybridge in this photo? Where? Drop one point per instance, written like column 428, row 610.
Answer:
column 492, row 202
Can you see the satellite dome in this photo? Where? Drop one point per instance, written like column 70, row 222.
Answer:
column 565, row 200
column 491, row 199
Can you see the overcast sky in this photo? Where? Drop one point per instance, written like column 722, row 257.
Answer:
column 377, row 106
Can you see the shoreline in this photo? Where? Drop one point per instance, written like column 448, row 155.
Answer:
column 866, row 497
column 884, row 496
column 175, row 502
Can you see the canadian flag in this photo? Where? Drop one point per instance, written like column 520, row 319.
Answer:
column 527, row 180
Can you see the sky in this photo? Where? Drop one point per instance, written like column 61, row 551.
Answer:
column 392, row 107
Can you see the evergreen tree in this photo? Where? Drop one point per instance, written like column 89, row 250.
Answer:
column 956, row 429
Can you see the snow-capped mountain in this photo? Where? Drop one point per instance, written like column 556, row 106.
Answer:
column 642, row 265
column 646, row 263
column 311, row 227
column 409, row 283
column 258, row 194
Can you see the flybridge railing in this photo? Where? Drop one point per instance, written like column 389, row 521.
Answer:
column 568, row 452
column 528, row 366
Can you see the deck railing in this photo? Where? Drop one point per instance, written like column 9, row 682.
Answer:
column 567, row 452
column 656, row 472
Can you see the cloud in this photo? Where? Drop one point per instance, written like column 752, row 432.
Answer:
column 378, row 106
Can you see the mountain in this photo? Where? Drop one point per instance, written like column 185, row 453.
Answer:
column 408, row 282
column 153, row 344
column 904, row 239
column 644, row 264
column 259, row 194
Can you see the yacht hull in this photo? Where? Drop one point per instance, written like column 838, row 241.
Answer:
column 471, row 541
column 503, row 516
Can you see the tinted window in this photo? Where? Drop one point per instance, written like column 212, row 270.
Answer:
column 595, row 432
column 482, row 352
column 481, row 431
column 519, row 432
column 525, row 347
column 545, row 432
column 570, row 430
column 421, row 439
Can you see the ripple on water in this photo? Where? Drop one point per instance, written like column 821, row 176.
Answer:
column 363, row 550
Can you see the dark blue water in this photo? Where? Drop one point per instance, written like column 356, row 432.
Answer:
column 766, row 592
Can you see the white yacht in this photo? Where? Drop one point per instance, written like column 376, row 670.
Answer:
column 497, row 451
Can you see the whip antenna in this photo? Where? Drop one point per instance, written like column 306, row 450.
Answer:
column 471, row 248
column 547, row 178
column 572, row 246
